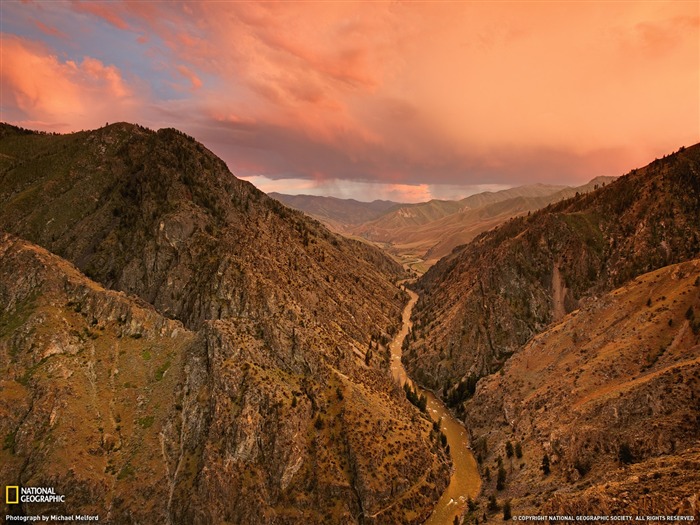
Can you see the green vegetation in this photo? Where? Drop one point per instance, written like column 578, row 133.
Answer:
column 501, row 479
column 507, row 516
column 127, row 471
column 160, row 372
column 11, row 320
column 146, row 422
column 9, row 442
column 463, row 391
column 509, row 449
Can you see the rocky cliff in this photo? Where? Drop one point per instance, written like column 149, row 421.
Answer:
column 205, row 360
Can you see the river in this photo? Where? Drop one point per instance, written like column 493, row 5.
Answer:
column 465, row 481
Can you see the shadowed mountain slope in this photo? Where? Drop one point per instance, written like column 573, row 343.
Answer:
column 261, row 407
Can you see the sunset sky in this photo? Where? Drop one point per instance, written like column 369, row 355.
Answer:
column 406, row 101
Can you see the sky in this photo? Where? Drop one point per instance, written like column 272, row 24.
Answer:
column 405, row 101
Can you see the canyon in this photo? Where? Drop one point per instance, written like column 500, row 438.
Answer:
column 178, row 347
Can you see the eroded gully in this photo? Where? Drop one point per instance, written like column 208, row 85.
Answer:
column 464, row 481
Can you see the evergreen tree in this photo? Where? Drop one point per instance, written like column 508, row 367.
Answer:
column 501, row 480
column 506, row 511
column 545, row 464
column 509, row 449
column 518, row 451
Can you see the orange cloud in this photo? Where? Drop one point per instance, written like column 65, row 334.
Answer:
column 102, row 10
column 44, row 89
column 189, row 75
column 49, row 30
column 406, row 93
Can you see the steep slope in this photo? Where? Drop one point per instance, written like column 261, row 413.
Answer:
column 157, row 215
column 462, row 227
column 611, row 394
column 393, row 226
column 285, row 417
column 338, row 214
column 487, row 298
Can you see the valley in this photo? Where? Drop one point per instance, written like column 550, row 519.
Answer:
column 183, row 348
column 349, row 263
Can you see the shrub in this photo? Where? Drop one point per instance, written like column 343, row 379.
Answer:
column 624, row 454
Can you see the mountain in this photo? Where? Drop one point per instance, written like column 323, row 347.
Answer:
column 486, row 299
column 571, row 333
column 433, row 229
column 185, row 349
column 337, row 214
column 446, row 234
column 611, row 395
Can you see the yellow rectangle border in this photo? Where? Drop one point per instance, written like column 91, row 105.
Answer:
column 7, row 494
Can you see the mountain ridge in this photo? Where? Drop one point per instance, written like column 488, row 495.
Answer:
column 277, row 318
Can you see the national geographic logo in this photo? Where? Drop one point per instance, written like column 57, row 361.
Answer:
column 15, row 494
column 11, row 494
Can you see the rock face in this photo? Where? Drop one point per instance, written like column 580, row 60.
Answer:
column 611, row 394
column 212, row 368
column 486, row 299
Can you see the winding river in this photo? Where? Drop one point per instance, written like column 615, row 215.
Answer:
column 465, row 481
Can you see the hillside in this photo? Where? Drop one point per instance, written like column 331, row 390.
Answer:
column 386, row 227
column 446, row 234
column 611, row 394
column 486, row 299
column 338, row 214
column 431, row 230
column 267, row 370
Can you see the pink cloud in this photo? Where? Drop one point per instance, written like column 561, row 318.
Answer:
column 49, row 30
column 190, row 75
column 103, row 10
column 45, row 89
column 404, row 92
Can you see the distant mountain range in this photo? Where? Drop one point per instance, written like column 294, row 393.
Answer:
column 430, row 230
column 338, row 214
